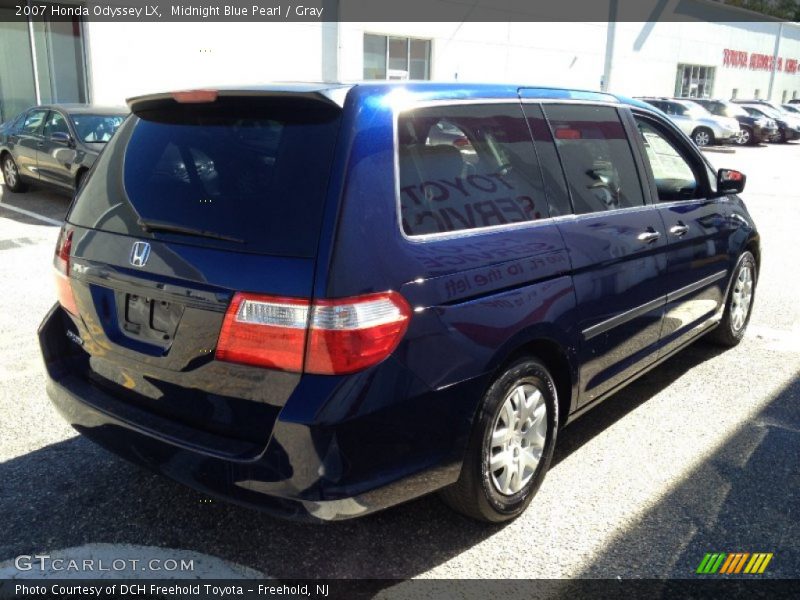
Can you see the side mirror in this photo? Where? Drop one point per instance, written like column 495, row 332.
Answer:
column 62, row 138
column 730, row 181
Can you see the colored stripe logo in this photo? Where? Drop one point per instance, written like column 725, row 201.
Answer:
column 734, row 563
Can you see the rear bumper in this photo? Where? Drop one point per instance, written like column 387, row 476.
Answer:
column 726, row 136
column 317, row 469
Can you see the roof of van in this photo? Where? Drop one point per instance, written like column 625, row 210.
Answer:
column 429, row 90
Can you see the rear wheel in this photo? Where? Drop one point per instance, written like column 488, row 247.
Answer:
column 511, row 445
column 738, row 304
column 703, row 136
column 11, row 175
column 744, row 137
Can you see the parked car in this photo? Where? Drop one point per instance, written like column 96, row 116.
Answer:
column 334, row 336
column 696, row 122
column 752, row 130
column 55, row 145
column 788, row 128
column 793, row 109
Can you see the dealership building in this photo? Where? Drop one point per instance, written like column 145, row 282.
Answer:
column 713, row 52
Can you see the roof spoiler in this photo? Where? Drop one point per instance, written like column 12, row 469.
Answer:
column 332, row 94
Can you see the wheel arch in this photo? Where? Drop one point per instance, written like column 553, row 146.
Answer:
column 706, row 128
column 753, row 245
column 555, row 353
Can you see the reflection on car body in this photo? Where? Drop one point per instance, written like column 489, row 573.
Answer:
column 55, row 145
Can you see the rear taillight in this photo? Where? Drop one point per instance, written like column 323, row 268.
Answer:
column 354, row 333
column 327, row 337
column 264, row 331
column 61, row 263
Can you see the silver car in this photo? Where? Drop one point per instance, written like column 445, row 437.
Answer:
column 696, row 122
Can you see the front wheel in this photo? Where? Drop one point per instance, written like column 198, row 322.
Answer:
column 738, row 304
column 511, row 445
column 703, row 136
column 11, row 175
column 744, row 137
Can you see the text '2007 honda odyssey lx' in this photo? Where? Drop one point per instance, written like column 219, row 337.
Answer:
column 323, row 300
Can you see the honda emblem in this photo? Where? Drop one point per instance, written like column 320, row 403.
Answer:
column 140, row 253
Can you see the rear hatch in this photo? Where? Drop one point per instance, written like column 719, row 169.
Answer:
column 192, row 201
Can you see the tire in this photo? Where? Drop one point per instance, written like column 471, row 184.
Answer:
column 11, row 176
column 503, row 494
column 738, row 304
column 703, row 136
column 745, row 136
column 782, row 138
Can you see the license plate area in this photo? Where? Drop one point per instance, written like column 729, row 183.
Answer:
column 149, row 320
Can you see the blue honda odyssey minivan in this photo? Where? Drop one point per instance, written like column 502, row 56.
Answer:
column 323, row 300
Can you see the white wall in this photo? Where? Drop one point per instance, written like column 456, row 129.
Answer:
column 646, row 56
column 128, row 59
column 561, row 54
column 131, row 59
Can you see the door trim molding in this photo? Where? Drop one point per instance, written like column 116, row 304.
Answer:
column 629, row 315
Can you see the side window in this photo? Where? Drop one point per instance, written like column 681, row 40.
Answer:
column 674, row 176
column 56, row 123
column 34, row 121
column 467, row 167
column 596, row 156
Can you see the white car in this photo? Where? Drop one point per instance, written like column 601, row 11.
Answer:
column 695, row 121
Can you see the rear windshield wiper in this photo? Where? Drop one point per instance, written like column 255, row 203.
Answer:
column 165, row 227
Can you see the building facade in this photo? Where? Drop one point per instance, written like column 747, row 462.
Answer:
column 106, row 62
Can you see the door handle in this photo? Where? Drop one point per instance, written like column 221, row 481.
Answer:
column 679, row 230
column 649, row 236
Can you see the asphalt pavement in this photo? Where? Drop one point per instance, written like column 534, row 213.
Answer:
column 698, row 456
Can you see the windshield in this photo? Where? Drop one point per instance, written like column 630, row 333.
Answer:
column 770, row 112
column 733, row 110
column 96, row 128
column 248, row 174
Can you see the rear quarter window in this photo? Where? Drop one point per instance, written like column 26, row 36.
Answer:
column 467, row 167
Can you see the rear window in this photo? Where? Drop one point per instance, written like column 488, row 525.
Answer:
column 243, row 173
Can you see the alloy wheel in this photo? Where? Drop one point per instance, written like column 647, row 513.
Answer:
column 518, row 439
column 10, row 172
column 701, row 138
column 742, row 297
column 743, row 137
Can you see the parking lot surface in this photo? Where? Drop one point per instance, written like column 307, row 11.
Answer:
column 698, row 456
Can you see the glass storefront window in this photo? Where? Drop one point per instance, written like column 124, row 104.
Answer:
column 41, row 61
column 374, row 56
column 694, row 81
column 17, row 86
column 391, row 57
column 59, row 61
